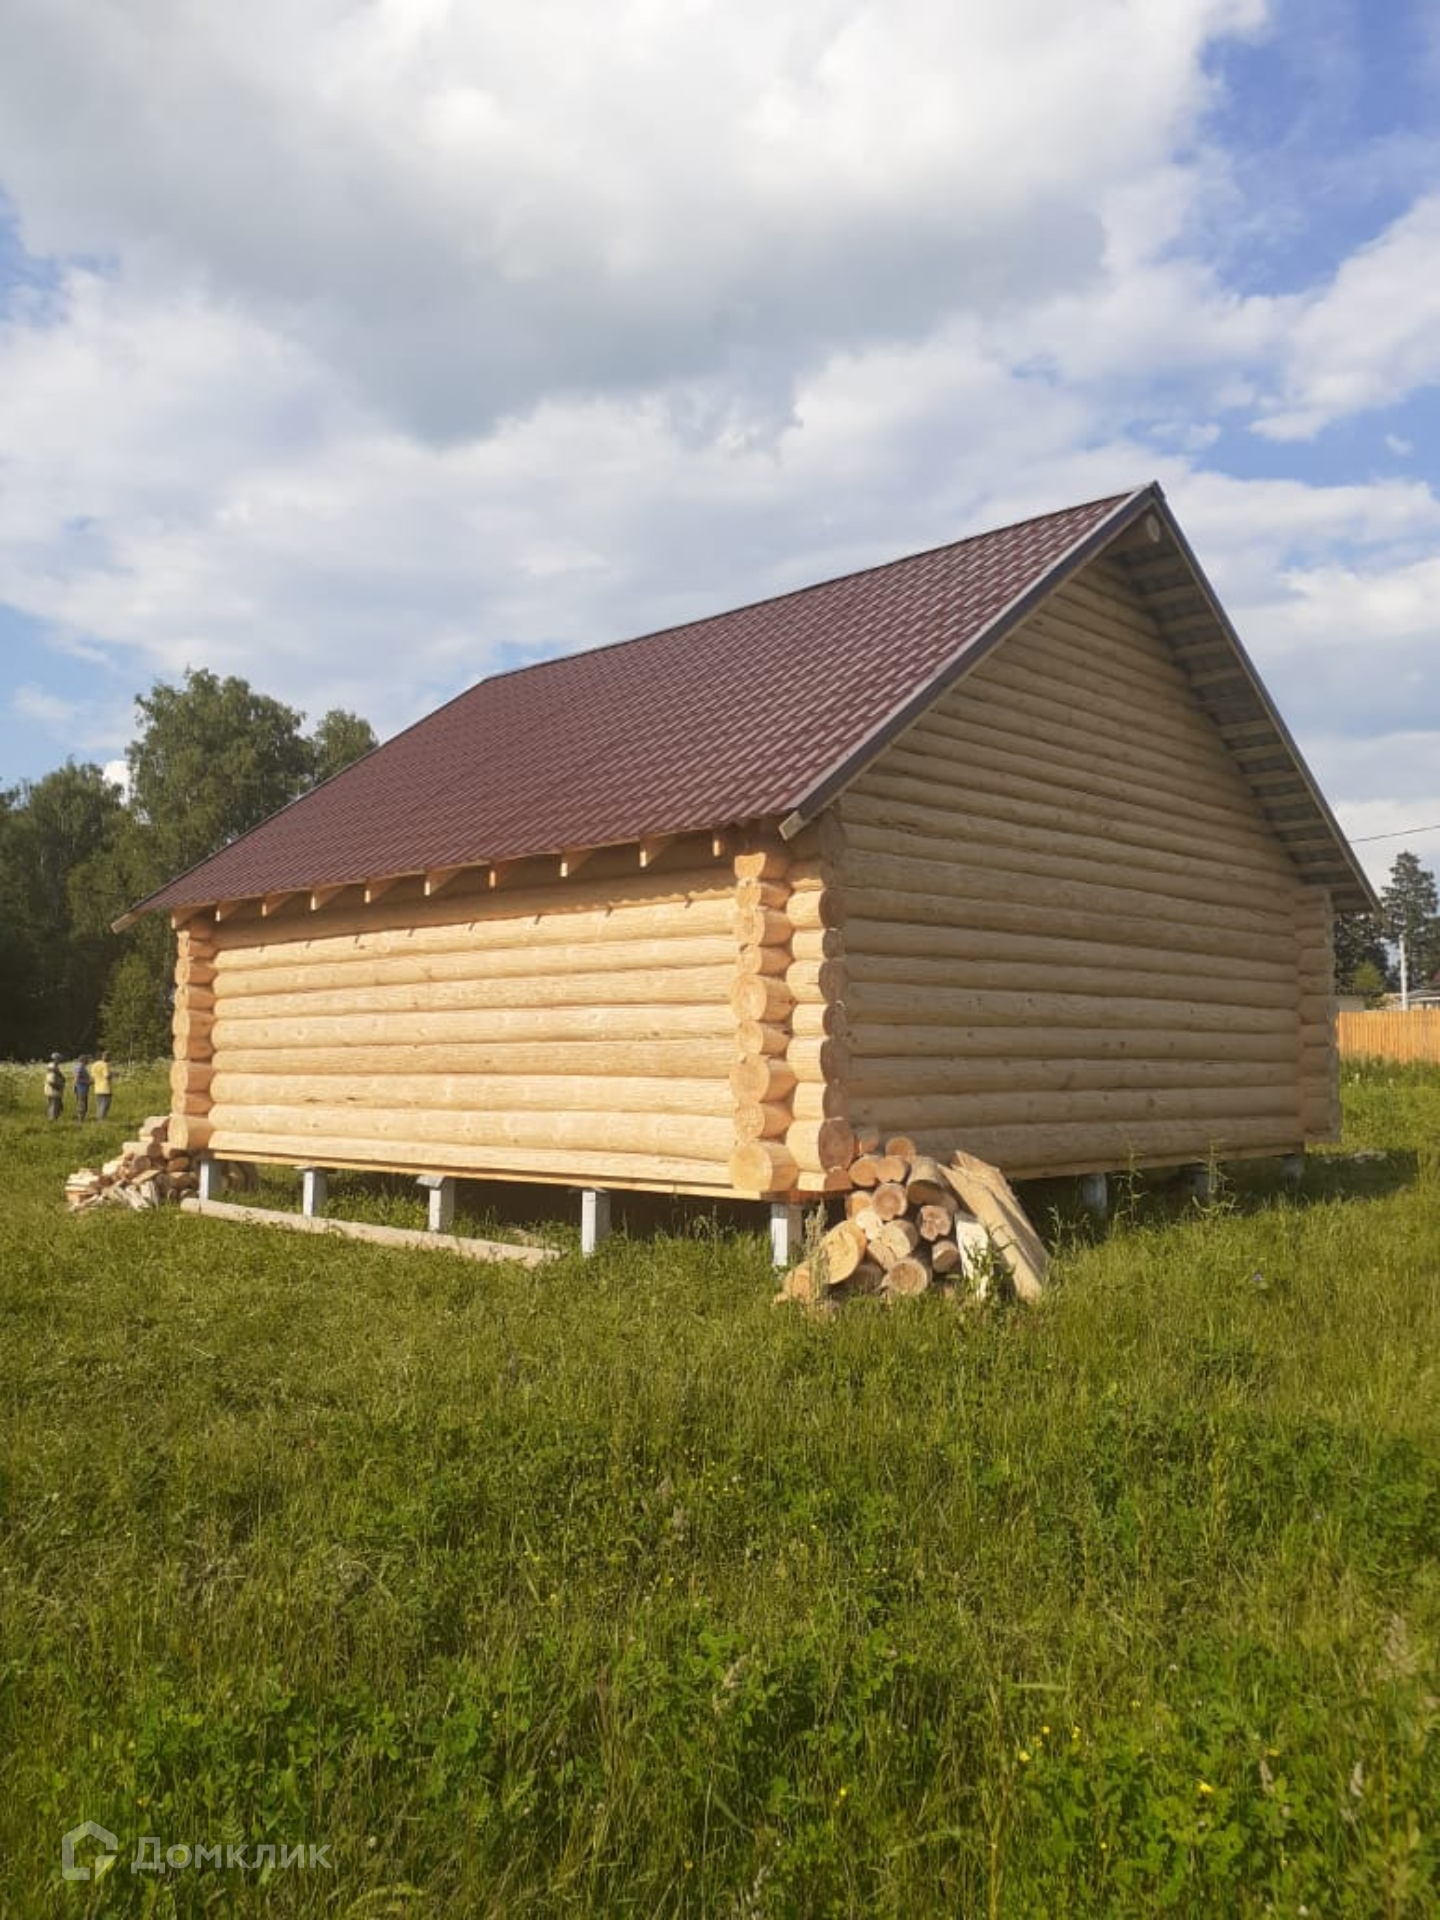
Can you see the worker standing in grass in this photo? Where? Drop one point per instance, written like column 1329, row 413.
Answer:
column 100, row 1085
column 82, row 1088
column 54, row 1088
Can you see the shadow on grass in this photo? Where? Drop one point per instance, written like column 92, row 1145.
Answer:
column 1166, row 1196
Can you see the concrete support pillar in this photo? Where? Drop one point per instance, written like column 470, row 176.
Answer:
column 1095, row 1194
column 211, row 1184
column 314, row 1189
column 1199, row 1182
column 787, row 1233
column 594, row 1219
column 440, row 1201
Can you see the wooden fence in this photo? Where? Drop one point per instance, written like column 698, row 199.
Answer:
column 1390, row 1034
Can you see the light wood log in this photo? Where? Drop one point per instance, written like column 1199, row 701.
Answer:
column 194, row 973
column 816, row 908
column 963, row 1114
column 929, row 783
column 820, row 1100
column 892, row 1169
column 406, row 1237
column 815, row 1059
column 888, row 1199
column 189, row 1133
column 760, row 997
column 762, row 863
column 865, row 1170
column 763, row 960
column 1050, row 851
column 983, row 1191
column 759, row 1037
column 569, row 1024
column 868, row 1278
column 1022, row 974
column 762, row 1166
column 926, row 1186
column 1044, row 772
column 980, row 887
column 761, row 1120
column 818, row 1021
column 901, row 1237
column 687, row 1136
column 646, row 1172
column 910, row 1276
column 1088, row 940
column 823, row 1146
column 816, row 980
column 360, row 969
column 750, row 894
column 817, row 943
column 190, row 1077
column 656, row 986
column 841, row 1251
column 868, row 1220
column 193, row 1036
column 695, row 901
column 399, row 1092
column 958, row 1076
column 762, row 927
column 856, row 1203
column 684, row 1059
column 762, row 1078
column 835, row 1181
column 945, row 1258
column 945, row 1007
column 882, row 1052
column 936, row 1220
column 990, row 722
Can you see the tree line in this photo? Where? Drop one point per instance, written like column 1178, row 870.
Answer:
column 211, row 758
column 1368, row 946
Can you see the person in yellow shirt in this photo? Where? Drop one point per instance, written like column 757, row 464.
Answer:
column 100, row 1085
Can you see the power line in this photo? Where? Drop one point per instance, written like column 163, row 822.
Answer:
column 1359, row 839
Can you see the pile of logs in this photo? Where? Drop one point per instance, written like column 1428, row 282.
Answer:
column 914, row 1224
column 145, row 1173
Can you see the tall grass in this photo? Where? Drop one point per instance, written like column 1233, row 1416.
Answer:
column 613, row 1589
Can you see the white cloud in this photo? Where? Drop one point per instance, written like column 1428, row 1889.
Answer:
column 464, row 209
column 1372, row 337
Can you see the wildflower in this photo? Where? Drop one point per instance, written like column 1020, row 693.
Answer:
column 1204, row 1786
column 1024, row 1757
column 1044, row 1732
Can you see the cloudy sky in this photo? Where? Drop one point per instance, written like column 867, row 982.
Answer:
column 367, row 347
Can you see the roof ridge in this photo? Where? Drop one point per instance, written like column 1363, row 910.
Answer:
column 800, row 593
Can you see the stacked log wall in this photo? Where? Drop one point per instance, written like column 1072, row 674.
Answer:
column 578, row 1030
column 1073, row 941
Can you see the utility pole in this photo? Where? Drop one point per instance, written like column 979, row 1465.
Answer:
column 1404, row 978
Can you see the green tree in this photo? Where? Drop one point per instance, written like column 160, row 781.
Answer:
column 55, row 951
column 1410, row 911
column 1359, row 942
column 212, row 759
column 339, row 739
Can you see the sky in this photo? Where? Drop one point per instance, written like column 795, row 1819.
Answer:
column 365, row 348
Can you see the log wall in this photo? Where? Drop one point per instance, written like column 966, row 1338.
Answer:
column 574, row 1030
column 1072, row 940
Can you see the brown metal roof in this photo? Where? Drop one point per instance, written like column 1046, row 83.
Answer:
column 756, row 714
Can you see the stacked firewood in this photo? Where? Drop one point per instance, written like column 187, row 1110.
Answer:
column 145, row 1173
column 914, row 1223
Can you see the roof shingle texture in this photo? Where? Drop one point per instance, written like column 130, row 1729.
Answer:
column 735, row 717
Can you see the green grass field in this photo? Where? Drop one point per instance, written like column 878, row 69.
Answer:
column 615, row 1589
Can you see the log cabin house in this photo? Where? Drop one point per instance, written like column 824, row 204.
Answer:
column 1001, row 846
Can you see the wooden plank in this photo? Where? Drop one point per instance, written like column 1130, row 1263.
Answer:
column 984, row 1191
column 491, row 1251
